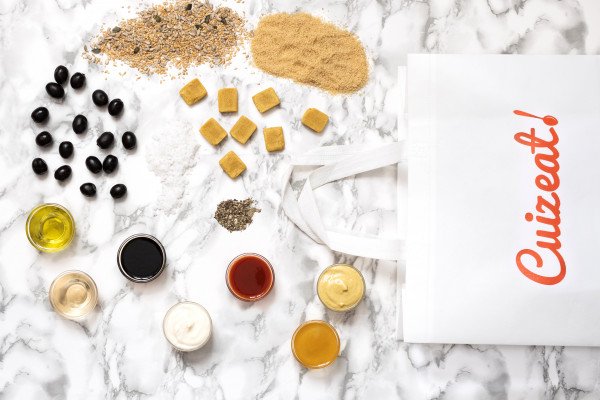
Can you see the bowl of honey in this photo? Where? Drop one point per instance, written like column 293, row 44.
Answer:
column 315, row 344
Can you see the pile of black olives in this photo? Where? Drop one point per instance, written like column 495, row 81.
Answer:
column 80, row 123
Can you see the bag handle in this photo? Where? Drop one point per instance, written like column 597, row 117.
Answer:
column 338, row 162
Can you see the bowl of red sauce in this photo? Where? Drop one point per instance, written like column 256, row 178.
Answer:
column 250, row 277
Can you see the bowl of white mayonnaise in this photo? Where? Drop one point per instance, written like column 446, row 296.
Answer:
column 187, row 326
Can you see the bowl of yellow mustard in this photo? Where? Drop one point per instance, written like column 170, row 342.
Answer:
column 341, row 287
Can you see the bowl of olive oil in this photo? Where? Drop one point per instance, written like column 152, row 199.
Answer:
column 50, row 228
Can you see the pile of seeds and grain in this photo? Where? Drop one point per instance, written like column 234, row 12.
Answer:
column 179, row 34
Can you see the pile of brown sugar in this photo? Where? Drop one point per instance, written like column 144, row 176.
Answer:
column 179, row 33
column 304, row 48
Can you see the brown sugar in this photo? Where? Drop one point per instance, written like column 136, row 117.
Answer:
column 304, row 48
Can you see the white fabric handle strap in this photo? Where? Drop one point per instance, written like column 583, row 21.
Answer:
column 339, row 162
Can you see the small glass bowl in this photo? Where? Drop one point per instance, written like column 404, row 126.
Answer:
column 144, row 279
column 326, row 325
column 240, row 296
column 59, row 293
column 200, row 309
column 30, row 229
column 351, row 306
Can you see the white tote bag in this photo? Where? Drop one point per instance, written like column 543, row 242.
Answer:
column 503, row 200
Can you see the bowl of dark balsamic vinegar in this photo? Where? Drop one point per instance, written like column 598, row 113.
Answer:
column 141, row 258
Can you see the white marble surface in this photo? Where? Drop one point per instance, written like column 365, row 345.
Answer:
column 174, row 186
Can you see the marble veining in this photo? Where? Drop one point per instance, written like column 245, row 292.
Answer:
column 175, row 183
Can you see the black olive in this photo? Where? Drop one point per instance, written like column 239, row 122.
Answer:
column 118, row 191
column 88, row 189
column 110, row 163
column 79, row 124
column 43, row 139
column 115, row 107
column 93, row 164
column 55, row 90
column 77, row 80
column 62, row 173
column 105, row 140
column 129, row 140
column 65, row 149
column 40, row 114
column 100, row 98
column 39, row 166
column 61, row 74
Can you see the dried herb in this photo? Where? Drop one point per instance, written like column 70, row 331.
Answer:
column 236, row 215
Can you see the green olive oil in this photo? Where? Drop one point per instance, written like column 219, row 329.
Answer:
column 50, row 228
